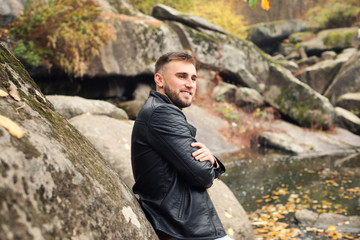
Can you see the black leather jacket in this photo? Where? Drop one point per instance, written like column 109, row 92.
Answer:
column 170, row 182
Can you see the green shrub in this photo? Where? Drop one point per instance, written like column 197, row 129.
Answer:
column 339, row 39
column 64, row 32
column 335, row 14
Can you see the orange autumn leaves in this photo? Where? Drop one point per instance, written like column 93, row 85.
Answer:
column 271, row 219
column 265, row 4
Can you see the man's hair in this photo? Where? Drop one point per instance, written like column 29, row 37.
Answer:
column 171, row 56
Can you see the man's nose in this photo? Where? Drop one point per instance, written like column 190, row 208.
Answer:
column 190, row 83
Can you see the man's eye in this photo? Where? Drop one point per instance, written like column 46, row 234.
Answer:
column 182, row 76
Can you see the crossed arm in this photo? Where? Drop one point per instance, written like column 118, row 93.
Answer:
column 174, row 141
column 204, row 154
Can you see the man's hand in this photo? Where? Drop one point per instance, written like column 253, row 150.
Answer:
column 203, row 153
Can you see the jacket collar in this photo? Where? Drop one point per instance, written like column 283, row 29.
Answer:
column 159, row 95
column 156, row 94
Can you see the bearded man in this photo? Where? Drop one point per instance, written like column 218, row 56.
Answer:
column 172, row 170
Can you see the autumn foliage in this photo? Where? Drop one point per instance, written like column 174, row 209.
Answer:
column 64, row 32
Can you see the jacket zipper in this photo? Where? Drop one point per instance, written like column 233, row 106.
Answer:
column 207, row 204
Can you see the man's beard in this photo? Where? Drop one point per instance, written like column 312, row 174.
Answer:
column 175, row 99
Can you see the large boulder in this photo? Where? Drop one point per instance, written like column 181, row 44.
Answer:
column 140, row 42
column 112, row 138
column 54, row 183
column 164, row 13
column 297, row 100
column 331, row 39
column 224, row 92
column 295, row 140
column 351, row 102
column 347, row 120
column 207, row 130
column 71, row 106
column 347, row 80
column 270, row 34
column 249, row 98
column 320, row 75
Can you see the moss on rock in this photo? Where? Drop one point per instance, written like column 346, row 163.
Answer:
column 339, row 39
column 54, row 184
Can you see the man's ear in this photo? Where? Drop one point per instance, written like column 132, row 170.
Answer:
column 159, row 80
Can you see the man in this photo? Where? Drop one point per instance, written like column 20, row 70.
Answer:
column 172, row 170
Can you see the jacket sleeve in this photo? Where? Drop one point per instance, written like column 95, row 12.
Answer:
column 170, row 135
column 221, row 170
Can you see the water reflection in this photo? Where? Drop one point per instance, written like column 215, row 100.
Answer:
column 323, row 184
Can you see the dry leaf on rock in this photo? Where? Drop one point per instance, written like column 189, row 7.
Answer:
column 14, row 93
column 3, row 93
column 11, row 127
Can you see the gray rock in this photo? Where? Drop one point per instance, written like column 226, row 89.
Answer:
column 71, row 106
column 347, row 80
column 306, row 217
column 54, row 183
column 328, row 55
column 10, row 10
column 298, row 37
column 289, row 65
column 295, row 140
column 224, row 92
column 332, row 39
column 307, row 61
column 346, row 54
column 351, row 102
column 266, row 33
column 325, row 220
column 132, row 107
column 297, row 100
column 112, row 138
column 248, row 97
column 279, row 57
column 293, row 55
column 207, row 130
column 118, row 6
column 163, row 12
column 205, row 81
column 203, row 86
column 140, row 42
column 347, row 120
column 141, row 92
column 319, row 76
column 287, row 49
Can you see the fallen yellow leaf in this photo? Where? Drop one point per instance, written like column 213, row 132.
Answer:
column 228, row 215
column 14, row 93
column 3, row 93
column 11, row 127
column 331, row 228
column 230, row 232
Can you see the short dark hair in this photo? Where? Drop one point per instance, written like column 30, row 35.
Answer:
column 171, row 56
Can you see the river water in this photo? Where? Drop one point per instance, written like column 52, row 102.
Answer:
column 281, row 183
